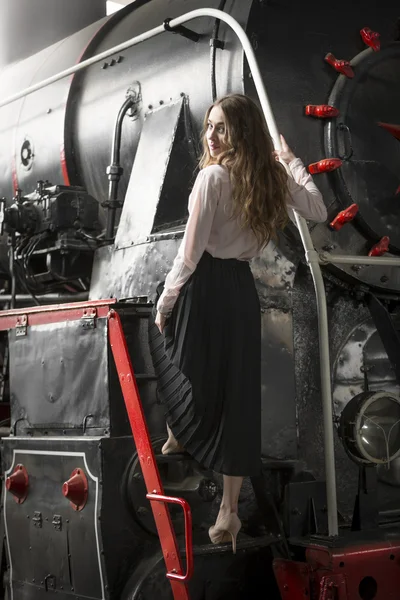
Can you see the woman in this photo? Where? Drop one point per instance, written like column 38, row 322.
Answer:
column 208, row 361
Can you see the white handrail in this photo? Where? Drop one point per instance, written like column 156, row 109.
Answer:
column 311, row 255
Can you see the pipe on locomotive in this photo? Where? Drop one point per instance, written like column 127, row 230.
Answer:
column 114, row 170
column 341, row 259
column 311, row 254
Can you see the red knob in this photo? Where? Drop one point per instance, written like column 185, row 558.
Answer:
column 322, row 111
column 76, row 489
column 381, row 247
column 18, row 484
column 325, row 165
column 345, row 216
column 341, row 66
column 371, row 38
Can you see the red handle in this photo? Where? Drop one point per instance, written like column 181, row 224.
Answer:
column 187, row 515
column 381, row 247
column 371, row 38
column 345, row 216
column 341, row 66
column 325, row 165
column 322, row 111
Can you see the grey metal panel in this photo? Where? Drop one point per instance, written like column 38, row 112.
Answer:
column 49, row 388
column 148, row 180
column 40, row 551
column 134, row 271
column 103, row 536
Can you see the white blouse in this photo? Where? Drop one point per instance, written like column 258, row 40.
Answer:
column 210, row 226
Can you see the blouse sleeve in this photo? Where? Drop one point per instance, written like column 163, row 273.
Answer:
column 304, row 196
column 203, row 202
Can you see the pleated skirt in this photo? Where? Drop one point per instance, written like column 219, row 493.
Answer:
column 208, row 366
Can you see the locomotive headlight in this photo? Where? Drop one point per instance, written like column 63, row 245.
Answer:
column 370, row 427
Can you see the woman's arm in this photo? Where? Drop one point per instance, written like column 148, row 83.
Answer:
column 304, row 196
column 203, row 202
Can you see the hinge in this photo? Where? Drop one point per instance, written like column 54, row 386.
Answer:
column 57, row 522
column 21, row 325
column 89, row 318
column 37, row 518
column 49, row 582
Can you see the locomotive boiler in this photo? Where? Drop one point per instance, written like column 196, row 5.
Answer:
column 95, row 169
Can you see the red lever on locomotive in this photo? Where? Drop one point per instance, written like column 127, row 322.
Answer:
column 18, row 483
column 345, row 216
column 325, row 165
column 322, row 111
column 342, row 66
column 371, row 38
column 381, row 247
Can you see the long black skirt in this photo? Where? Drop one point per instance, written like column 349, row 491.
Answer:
column 208, row 364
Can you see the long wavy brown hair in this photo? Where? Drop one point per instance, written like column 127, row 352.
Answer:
column 259, row 181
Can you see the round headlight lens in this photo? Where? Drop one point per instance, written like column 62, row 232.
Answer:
column 370, row 427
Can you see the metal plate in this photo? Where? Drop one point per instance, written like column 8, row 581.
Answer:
column 157, row 197
column 49, row 387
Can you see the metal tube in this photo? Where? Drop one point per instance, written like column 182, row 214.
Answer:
column 311, row 255
column 11, row 264
column 378, row 261
column 325, row 371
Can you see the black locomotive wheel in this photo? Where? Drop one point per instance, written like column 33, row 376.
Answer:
column 181, row 476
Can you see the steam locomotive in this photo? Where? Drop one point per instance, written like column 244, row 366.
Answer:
column 95, row 169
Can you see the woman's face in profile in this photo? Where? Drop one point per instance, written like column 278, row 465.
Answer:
column 216, row 131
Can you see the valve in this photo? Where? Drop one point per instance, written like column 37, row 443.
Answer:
column 322, row 111
column 76, row 489
column 371, row 38
column 345, row 216
column 342, row 66
column 18, row 484
column 325, row 165
column 381, row 247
